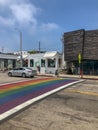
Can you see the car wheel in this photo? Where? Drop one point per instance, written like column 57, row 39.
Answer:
column 9, row 74
column 23, row 75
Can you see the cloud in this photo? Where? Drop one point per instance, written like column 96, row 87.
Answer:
column 24, row 13
column 10, row 2
column 6, row 21
column 4, row 2
column 21, row 12
column 49, row 26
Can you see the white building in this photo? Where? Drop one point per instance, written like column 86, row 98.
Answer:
column 48, row 62
column 53, row 61
column 35, row 60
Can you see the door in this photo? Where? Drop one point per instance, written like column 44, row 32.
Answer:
column 43, row 64
column 15, row 72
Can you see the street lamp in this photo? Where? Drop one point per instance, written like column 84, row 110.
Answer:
column 20, row 45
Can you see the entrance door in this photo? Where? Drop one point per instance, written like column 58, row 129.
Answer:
column 43, row 66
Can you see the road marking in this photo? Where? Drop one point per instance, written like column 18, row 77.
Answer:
column 83, row 92
column 28, row 102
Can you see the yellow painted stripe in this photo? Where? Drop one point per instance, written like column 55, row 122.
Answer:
column 82, row 92
column 24, row 85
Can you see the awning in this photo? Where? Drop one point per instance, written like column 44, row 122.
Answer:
column 23, row 57
column 50, row 54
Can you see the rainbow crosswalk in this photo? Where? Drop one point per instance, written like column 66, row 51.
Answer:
column 12, row 95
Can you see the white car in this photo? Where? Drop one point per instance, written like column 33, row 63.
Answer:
column 23, row 72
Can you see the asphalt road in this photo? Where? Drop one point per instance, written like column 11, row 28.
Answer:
column 74, row 108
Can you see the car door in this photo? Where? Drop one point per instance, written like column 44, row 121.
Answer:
column 15, row 72
column 20, row 71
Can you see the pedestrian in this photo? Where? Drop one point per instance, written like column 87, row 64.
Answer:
column 38, row 68
column 56, row 73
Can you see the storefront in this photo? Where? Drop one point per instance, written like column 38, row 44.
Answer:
column 47, row 62
column 84, row 42
column 53, row 61
column 7, row 61
column 88, row 67
column 36, row 62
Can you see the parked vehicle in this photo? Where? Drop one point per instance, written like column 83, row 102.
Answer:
column 23, row 72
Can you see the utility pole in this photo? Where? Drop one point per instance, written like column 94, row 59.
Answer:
column 20, row 37
column 21, row 48
column 39, row 47
column 63, row 57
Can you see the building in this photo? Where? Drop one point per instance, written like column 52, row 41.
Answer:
column 47, row 62
column 7, row 61
column 53, row 61
column 85, row 44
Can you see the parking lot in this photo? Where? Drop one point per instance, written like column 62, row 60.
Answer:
column 74, row 108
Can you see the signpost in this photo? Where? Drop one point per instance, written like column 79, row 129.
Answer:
column 79, row 60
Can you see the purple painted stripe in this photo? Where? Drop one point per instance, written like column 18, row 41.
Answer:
column 14, row 103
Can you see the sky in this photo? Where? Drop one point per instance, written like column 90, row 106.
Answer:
column 43, row 21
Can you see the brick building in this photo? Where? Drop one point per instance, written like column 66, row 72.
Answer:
column 85, row 43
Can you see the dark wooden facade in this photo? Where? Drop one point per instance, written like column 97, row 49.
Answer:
column 81, row 41
column 73, row 44
column 91, row 45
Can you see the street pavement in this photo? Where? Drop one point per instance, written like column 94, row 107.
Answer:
column 73, row 108
column 4, row 78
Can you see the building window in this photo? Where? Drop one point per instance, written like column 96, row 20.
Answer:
column 51, row 63
column 10, row 64
column 89, row 67
column 42, row 63
column 25, row 63
column 31, row 63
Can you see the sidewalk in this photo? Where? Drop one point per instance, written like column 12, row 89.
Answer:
column 72, row 76
column 4, row 78
column 81, row 77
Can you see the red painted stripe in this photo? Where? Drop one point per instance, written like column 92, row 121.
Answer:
column 23, row 82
